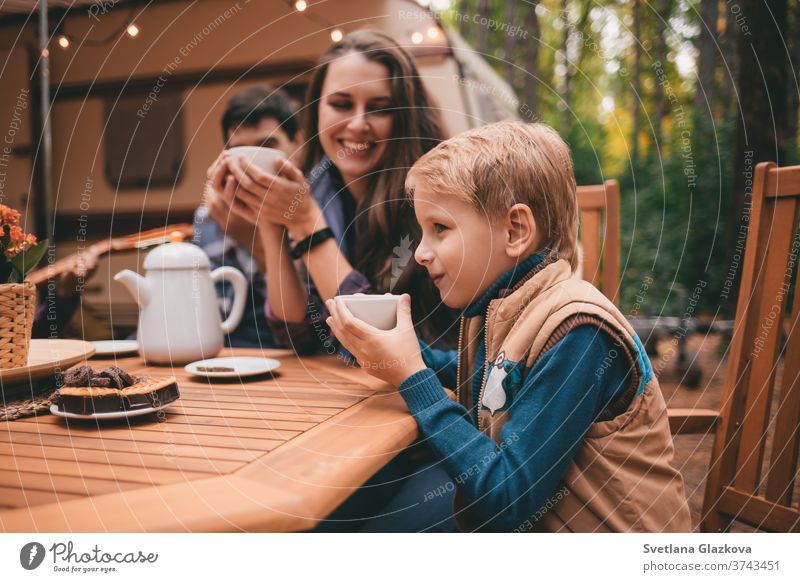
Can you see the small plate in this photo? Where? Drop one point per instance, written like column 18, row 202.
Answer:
column 107, row 415
column 240, row 366
column 115, row 347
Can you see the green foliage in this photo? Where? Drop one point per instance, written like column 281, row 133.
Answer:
column 674, row 208
column 676, row 197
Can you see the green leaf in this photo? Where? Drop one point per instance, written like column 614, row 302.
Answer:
column 29, row 258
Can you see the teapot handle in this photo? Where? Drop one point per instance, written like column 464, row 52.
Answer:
column 239, row 283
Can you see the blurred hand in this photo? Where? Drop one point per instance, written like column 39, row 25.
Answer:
column 235, row 225
column 390, row 355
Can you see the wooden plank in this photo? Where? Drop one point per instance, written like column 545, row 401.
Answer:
column 139, row 460
column 291, row 492
column 692, row 420
column 770, row 304
column 611, row 242
column 782, row 470
column 86, row 470
column 177, row 434
column 267, row 416
column 313, row 404
column 590, row 240
column 783, row 182
column 66, row 483
column 15, row 497
column 202, row 422
column 591, row 197
column 289, row 393
column 723, row 455
column 356, row 377
column 114, row 446
column 759, row 512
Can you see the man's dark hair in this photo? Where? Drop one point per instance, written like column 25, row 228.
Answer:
column 257, row 102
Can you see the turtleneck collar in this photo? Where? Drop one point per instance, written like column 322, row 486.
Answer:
column 506, row 281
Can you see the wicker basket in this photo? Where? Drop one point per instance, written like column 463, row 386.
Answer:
column 17, row 306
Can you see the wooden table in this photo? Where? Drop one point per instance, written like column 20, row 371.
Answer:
column 277, row 453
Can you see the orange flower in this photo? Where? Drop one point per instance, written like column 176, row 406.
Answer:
column 17, row 236
column 9, row 215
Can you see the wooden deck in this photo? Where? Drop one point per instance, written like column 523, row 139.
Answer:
column 277, row 453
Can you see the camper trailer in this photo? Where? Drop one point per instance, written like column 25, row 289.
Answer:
column 136, row 92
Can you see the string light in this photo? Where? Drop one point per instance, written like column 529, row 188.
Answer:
column 133, row 30
column 417, row 38
column 336, row 35
column 63, row 41
column 433, row 32
column 45, row 53
column 300, row 5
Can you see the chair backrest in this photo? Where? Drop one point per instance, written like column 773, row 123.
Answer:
column 754, row 459
column 599, row 210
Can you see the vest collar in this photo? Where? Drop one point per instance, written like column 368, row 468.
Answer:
column 511, row 280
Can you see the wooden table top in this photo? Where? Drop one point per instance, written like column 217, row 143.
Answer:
column 277, row 453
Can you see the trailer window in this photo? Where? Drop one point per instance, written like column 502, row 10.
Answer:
column 144, row 139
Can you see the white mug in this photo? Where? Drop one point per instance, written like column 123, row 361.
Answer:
column 379, row 311
column 264, row 158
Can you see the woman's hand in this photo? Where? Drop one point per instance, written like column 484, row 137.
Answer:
column 392, row 355
column 282, row 198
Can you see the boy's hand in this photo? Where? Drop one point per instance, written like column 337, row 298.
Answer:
column 392, row 355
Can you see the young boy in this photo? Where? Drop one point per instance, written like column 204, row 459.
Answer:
column 558, row 423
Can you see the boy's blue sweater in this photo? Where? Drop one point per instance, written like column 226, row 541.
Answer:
column 562, row 394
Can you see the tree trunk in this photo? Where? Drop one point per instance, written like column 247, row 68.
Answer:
column 761, row 113
column 464, row 19
column 481, row 31
column 704, row 92
column 661, row 57
column 729, row 44
column 530, row 92
column 636, row 82
column 510, row 43
column 566, row 81
column 794, row 78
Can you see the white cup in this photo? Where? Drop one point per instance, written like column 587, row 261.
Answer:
column 379, row 311
column 264, row 158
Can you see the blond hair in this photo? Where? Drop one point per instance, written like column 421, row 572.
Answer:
column 496, row 166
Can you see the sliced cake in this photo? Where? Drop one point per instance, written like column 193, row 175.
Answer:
column 86, row 391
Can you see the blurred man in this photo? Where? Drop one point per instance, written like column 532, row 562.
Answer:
column 258, row 116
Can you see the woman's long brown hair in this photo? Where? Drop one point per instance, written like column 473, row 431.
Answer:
column 385, row 217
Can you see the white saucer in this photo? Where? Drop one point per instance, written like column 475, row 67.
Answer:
column 115, row 347
column 107, row 415
column 241, row 366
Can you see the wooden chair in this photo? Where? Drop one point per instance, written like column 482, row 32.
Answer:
column 756, row 416
column 599, row 210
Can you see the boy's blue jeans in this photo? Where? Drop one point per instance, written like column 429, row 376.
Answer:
column 410, row 494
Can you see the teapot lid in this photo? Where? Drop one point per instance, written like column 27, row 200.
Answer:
column 176, row 255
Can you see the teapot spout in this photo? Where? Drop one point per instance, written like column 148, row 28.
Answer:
column 137, row 285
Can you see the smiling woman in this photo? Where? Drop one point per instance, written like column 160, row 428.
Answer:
column 368, row 120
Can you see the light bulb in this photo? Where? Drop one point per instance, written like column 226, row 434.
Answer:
column 417, row 38
column 336, row 35
column 433, row 32
column 301, row 5
column 133, row 30
column 63, row 41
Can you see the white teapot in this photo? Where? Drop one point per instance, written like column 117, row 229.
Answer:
column 179, row 319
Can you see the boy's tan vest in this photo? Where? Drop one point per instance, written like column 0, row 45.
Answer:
column 621, row 478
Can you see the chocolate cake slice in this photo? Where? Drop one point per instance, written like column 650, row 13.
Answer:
column 150, row 392
column 113, row 390
column 89, row 399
